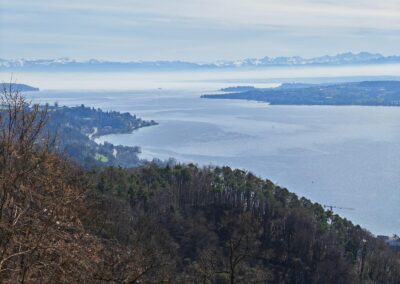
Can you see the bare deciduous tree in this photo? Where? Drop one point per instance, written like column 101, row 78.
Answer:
column 40, row 231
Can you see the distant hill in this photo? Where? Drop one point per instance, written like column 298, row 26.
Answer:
column 18, row 87
column 368, row 93
column 66, row 64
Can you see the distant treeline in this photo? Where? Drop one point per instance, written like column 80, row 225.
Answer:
column 368, row 93
column 17, row 87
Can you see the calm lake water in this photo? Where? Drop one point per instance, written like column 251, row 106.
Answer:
column 342, row 156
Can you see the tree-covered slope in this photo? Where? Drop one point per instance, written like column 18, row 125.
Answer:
column 219, row 225
column 76, row 128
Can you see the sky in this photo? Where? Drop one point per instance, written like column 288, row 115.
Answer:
column 196, row 30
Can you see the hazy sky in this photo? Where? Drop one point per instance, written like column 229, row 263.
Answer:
column 196, row 30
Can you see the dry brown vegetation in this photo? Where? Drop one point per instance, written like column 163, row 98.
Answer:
column 39, row 196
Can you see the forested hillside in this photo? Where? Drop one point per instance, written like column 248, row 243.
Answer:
column 75, row 130
column 219, row 225
column 181, row 224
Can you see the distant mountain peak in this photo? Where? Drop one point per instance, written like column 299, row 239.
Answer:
column 67, row 64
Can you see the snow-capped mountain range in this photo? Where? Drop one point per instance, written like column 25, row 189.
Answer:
column 66, row 64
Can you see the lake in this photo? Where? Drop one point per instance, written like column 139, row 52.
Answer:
column 340, row 156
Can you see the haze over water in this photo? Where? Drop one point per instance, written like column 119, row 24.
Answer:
column 341, row 156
